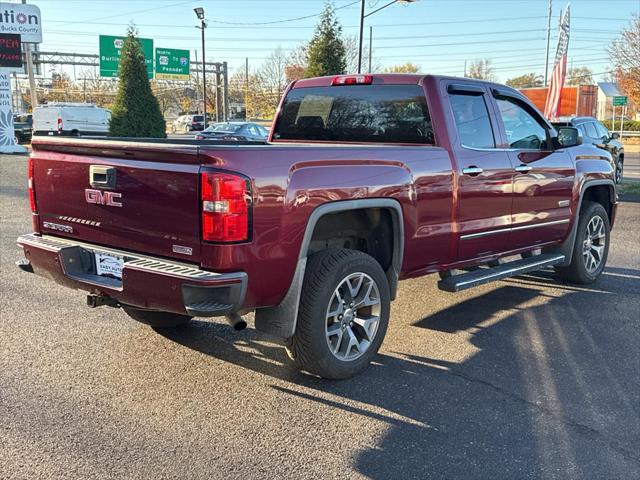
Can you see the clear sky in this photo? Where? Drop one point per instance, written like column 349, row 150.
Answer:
column 437, row 35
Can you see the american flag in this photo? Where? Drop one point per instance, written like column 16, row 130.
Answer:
column 552, row 105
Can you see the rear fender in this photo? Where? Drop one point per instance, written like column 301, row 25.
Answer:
column 280, row 320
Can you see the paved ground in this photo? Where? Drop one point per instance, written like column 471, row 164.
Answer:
column 520, row 379
column 632, row 166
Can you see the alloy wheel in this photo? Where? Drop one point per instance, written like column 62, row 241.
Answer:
column 353, row 316
column 594, row 244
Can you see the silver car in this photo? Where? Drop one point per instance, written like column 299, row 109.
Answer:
column 234, row 132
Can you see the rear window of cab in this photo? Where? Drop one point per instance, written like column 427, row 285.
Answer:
column 356, row 113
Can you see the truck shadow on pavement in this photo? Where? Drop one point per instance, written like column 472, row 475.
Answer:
column 547, row 389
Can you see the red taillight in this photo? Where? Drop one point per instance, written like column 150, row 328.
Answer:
column 59, row 125
column 226, row 204
column 32, row 192
column 352, row 80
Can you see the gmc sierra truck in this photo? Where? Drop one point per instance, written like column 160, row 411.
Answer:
column 365, row 180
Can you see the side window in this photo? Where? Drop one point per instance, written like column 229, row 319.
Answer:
column 580, row 128
column 472, row 120
column 602, row 131
column 253, row 131
column 591, row 130
column 522, row 128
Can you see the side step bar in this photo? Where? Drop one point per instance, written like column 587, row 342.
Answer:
column 456, row 283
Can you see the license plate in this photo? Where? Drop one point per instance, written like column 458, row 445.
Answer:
column 109, row 265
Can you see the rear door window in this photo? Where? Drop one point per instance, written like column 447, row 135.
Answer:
column 356, row 113
column 472, row 121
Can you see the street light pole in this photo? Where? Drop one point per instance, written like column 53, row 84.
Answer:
column 203, row 24
column 361, row 36
column 363, row 16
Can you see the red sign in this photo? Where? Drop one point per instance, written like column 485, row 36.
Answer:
column 10, row 50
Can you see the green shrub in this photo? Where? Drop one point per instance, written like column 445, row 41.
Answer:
column 629, row 125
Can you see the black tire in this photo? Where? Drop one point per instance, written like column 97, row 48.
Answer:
column 156, row 319
column 577, row 271
column 325, row 272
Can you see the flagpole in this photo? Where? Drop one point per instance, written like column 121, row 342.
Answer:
column 546, row 62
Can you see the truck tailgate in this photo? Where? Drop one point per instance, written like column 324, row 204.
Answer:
column 125, row 195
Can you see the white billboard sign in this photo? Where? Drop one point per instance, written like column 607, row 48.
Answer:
column 23, row 19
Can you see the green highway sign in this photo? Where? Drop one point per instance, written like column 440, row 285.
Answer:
column 110, row 51
column 172, row 64
column 619, row 100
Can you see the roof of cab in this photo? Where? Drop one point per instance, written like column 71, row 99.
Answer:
column 392, row 79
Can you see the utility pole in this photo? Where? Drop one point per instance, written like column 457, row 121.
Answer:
column 370, row 46
column 32, row 80
column 197, row 82
column 361, row 36
column 246, row 89
column 465, row 69
column 546, row 62
column 225, row 91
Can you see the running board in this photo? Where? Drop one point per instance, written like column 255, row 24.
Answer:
column 456, row 283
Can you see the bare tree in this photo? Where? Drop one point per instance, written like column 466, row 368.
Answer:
column 403, row 68
column 481, row 69
column 580, row 76
column 625, row 55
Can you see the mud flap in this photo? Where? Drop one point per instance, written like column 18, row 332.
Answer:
column 280, row 321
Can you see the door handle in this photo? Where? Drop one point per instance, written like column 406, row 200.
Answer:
column 523, row 168
column 472, row 170
column 101, row 176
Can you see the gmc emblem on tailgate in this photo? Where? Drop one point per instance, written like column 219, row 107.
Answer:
column 99, row 197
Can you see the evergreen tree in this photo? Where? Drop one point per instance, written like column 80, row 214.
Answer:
column 136, row 112
column 326, row 54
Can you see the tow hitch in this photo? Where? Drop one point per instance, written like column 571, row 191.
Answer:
column 94, row 301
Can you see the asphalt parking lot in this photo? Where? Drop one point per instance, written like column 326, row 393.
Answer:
column 524, row 378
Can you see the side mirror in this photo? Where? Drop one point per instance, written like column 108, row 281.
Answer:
column 615, row 136
column 569, row 137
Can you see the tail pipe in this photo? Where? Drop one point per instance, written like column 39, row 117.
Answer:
column 236, row 321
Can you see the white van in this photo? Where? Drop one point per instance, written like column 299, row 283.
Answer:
column 62, row 118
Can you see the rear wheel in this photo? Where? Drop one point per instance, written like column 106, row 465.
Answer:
column 343, row 314
column 156, row 319
column 591, row 247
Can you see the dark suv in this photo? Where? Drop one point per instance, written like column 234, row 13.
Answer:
column 595, row 133
column 22, row 127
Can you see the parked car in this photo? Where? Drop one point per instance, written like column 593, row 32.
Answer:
column 70, row 119
column 188, row 123
column 234, row 131
column 23, row 127
column 366, row 180
column 595, row 133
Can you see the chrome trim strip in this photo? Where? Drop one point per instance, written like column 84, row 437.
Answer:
column 512, row 229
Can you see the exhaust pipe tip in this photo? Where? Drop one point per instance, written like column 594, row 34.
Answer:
column 236, row 321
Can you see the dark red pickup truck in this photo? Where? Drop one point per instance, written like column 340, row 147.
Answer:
column 365, row 181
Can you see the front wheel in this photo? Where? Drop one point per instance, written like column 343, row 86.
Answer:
column 156, row 319
column 343, row 314
column 591, row 247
